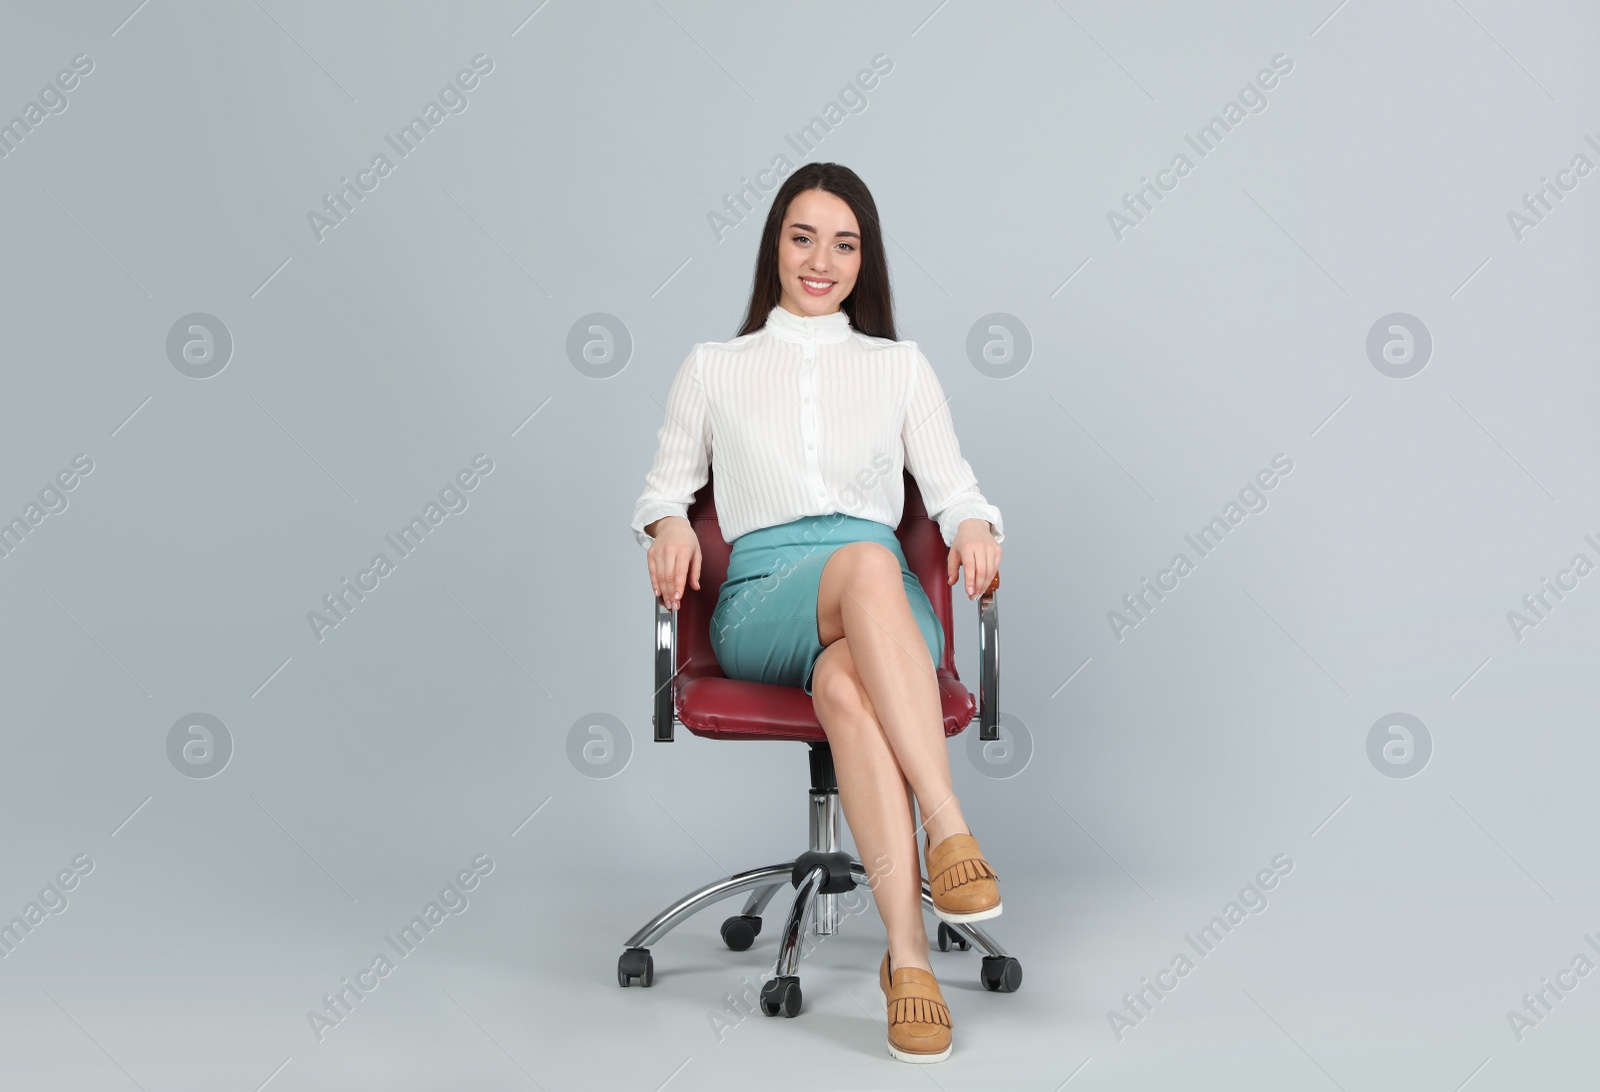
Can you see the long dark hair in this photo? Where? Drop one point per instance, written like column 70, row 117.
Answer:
column 869, row 306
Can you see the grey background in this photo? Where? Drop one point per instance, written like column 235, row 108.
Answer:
column 434, row 723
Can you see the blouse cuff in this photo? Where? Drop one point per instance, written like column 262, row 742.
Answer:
column 649, row 514
column 950, row 521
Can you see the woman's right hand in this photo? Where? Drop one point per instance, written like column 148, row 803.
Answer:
column 674, row 555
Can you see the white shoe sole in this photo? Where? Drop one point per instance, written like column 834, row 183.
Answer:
column 968, row 919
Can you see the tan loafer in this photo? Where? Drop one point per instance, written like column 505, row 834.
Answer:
column 919, row 1021
column 964, row 886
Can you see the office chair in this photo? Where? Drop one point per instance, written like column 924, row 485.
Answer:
column 692, row 690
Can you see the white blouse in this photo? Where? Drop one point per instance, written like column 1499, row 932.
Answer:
column 804, row 417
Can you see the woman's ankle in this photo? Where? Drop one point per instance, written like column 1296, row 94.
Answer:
column 944, row 822
column 922, row 962
column 909, row 954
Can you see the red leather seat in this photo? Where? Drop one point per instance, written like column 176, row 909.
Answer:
column 710, row 704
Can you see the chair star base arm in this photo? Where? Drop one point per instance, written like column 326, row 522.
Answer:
column 767, row 880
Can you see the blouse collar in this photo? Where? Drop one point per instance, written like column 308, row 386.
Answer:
column 808, row 329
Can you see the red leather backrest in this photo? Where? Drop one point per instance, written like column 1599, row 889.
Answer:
column 919, row 537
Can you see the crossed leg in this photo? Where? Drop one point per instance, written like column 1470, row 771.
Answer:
column 877, row 698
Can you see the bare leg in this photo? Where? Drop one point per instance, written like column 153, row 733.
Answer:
column 861, row 597
column 877, row 804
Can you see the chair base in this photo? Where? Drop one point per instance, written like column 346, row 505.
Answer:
column 818, row 876
column 808, row 915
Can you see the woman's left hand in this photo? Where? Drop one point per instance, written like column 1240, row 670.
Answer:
column 976, row 550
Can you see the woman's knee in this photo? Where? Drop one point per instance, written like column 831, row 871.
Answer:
column 871, row 563
column 862, row 571
column 836, row 687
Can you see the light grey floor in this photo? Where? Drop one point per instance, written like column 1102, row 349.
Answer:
column 1320, row 990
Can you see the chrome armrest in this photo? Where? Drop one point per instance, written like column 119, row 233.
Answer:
column 989, row 662
column 665, row 714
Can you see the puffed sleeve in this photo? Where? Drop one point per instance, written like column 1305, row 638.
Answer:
column 949, row 488
column 683, row 452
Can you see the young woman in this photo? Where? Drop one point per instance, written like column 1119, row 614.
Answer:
column 812, row 412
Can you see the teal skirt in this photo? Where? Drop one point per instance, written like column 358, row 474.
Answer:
column 764, row 626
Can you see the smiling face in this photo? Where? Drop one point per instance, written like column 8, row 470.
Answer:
column 819, row 253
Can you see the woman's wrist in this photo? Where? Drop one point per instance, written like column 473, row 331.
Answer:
column 654, row 526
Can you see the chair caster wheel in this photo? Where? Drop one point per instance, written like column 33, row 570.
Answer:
column 740, row 931
column 1001, row 973
column 636, row 963
column 949, row 938
column 781, row 994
